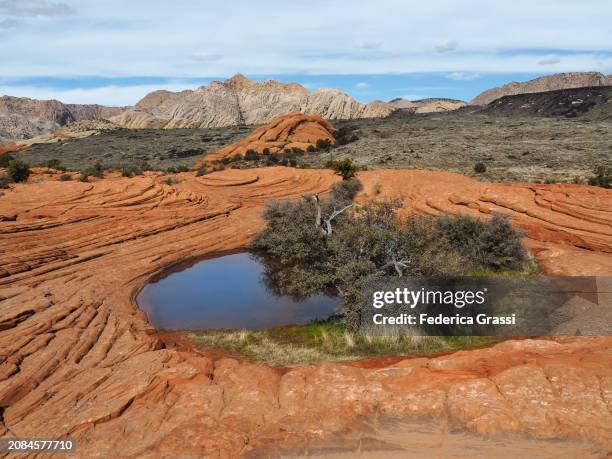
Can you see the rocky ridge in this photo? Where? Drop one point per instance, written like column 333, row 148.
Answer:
column 78, row 359
column 431, row 105
column 239, row 101
column 23, row 118
column 543, row 84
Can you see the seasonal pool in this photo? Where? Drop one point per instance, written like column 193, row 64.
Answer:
column 227, row 292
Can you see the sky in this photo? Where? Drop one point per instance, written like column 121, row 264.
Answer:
column 114, row 52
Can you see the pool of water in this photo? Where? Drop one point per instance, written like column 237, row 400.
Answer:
column 226, row 293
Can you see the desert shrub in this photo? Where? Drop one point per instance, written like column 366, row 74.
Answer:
column 284, row 162
column 602, row 177
column 344, row 135
column 201, row 171
column 302, row 258
column 251, row 155
column 182, row 168
column 226, row 160
column 65, row 178
column 305, row 166
column 343, row 167
column 171, row 170
column 293, row 162
column 346, row 190
column 5, row 159
column 266, row 151
column 83, row 177
column 4, row 181
column 172, row 180
column 131, row 171
column 237, row 157
column 480, row 168
column 53, row 163
column 311, row 149
column 489, row 244
column 18, row 171
column 323, row 144
column 95, row 171
column 297, row 151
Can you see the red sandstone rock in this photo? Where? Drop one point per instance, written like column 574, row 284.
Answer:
column 78, row 359
column 287, row 131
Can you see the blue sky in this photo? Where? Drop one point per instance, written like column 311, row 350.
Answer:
column 114, row 52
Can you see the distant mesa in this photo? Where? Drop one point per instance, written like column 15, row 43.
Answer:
column 431, row 105
column 240, row 101
column 293, row 130
column 543, row 84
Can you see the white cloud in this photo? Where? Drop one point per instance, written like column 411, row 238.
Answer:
column 198, row 39
column 463, row 76
column 370, row 45
column 362, row 85
column 447, row 46
column 205, row 57
column 549, row 60
column 33, row 8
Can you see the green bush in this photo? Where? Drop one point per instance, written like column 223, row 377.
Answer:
column 602, row 178
column 53, row 163
column 18, row 170
column 226, row 160
column 301, row 258
column 251, row 155
column 182, row 168
column 4, row 181
column 65, row 178
column 266, row 151
column 95, row 171
column 5, row 159
column 131, row 171
column 83, row 177
column 323, row 144
column 201, row 171
column 311, row 149
column 480, row 168
column 343, row 167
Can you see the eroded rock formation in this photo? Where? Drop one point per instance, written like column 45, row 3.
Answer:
column 431, row 105
column 78, row 359
column 545, row 83
column 240, row 101
column 293, row 130
column 23, row 118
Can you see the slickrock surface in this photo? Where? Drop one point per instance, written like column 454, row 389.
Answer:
column 293, row 130
column 79, row 359
column 545, row 83
column 239, row 101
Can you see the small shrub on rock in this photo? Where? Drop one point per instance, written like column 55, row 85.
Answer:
column 18, row 170
column 65, row 178
column 5, row 159
column 602, row 178
column 323, row 144
column 480, row 168
column 343, row 167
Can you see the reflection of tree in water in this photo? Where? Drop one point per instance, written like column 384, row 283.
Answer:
column 296, row 282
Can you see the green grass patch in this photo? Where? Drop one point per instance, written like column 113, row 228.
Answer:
column 326, row 341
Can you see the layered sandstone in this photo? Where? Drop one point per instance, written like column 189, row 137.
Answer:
column 23, row 118
column 431, row 105
column 78, row 358
column 543, row 84
column 293, row 130
column 238, row 101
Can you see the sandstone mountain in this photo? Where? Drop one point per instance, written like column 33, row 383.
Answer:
column 293, row 130
column 430, row 105
column 239, row 101
column 24, row 118
column 543, row 84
